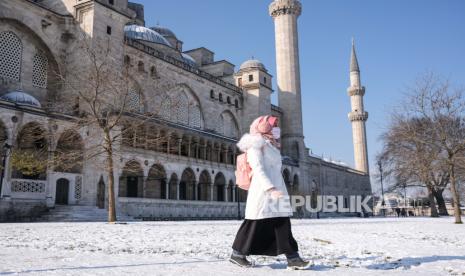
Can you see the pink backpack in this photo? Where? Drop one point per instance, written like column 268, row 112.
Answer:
column 243, row 172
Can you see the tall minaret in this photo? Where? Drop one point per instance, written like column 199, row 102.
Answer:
column 285, row 14
column 358, row 116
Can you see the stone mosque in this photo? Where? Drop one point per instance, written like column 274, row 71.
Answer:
column 217, row 103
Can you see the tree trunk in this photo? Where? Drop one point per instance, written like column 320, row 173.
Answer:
column 441, row 202
column 434, row 210
column 455, row 195
column 111, row 179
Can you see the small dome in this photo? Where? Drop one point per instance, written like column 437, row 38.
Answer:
column 163, row 31
column 189, row 60
column 253, row 63
column 142, row 33
column 21, row 98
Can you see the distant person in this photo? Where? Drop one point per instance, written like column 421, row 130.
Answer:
column 398, row 211
column 265, row 231
column 403, row 213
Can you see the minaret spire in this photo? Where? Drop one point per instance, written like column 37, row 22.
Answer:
column 358, row 116
column 353, row 59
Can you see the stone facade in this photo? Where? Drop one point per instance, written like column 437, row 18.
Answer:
column 191, row 174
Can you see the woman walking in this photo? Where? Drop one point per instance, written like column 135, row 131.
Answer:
column 266, row 229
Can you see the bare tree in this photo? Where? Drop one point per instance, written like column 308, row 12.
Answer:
column 103, row 100
column 426, row 139
column 405, row 160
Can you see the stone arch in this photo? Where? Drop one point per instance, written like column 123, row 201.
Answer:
column 173, row 186
column 187, row 185
column 156, row 182
column 30, row 156
column 182, row 105
column 44, row 83
column 287, row 180
column 203, row 188
column 218, row 187
column 131, row 180
column 227, row 125
column 69, row 153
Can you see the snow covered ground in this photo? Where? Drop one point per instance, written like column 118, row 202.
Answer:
column 392, row 246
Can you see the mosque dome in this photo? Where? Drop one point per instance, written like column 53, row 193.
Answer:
column 163, row 31
column 21, row 98
column 189, row 60
column 253, row 63
column 142, row 33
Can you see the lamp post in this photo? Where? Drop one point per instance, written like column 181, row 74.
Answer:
column 380, row 167
column 238, row 204
column 6, row 152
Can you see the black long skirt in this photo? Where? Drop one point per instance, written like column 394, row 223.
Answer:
column 269, row 237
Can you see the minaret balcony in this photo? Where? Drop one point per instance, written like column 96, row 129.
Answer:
column 358, row 116
column 356, row 91
column 282, row 7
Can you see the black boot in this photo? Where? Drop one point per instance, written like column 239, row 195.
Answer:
column 294, row 262
column 239, row 259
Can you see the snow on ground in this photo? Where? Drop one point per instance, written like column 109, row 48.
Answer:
column 355, row 246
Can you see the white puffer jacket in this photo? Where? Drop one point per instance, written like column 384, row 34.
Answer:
column 265, row 161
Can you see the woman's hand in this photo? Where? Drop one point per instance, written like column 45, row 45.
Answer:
column 275, row 194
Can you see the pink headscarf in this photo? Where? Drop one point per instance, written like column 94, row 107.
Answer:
column 263, row 126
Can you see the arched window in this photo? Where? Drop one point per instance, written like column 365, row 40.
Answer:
column 181, row 107
column 228, row 100
column 134, row 101
column 195, row 117
column 221, row 125
column 39, row 70
column 153, row 72
column 140, row 66
column 11, row 50
column 212, row 94
column 165, row 111
column 220, row 97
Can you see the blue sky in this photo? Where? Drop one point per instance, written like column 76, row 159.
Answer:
column 396, row 41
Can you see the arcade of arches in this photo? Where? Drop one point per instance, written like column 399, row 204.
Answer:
column 157, row 185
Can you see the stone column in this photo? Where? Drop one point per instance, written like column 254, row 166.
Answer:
column 196, row 191
column 285, row 14
column 179, row 146
column 225, row 193
column 234, row 187
column 211, row 191
column 167, row 189
column 177, row 189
